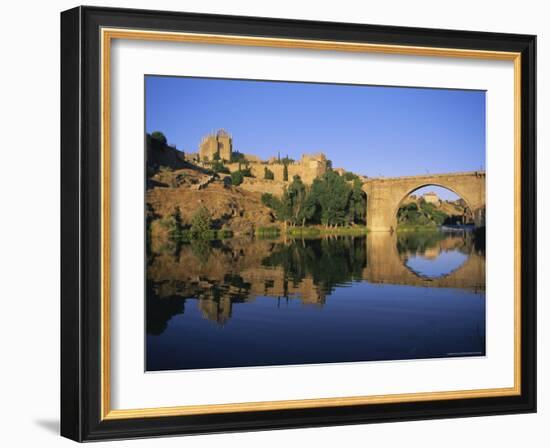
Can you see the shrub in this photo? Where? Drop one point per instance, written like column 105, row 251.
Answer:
column 219, row 167
column 237, row 157
column 268, row 174
column 201, row 221
column 159, row 137
column 237, row 178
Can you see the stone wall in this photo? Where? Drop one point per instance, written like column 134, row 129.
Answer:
column 308, row 168
column 258, row 185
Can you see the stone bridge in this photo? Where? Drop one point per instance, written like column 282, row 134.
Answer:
column 386, row 265
column 385, row 195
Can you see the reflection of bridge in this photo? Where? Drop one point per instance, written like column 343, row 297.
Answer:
column 384, row 195
column 237, row 272
column 385, row 265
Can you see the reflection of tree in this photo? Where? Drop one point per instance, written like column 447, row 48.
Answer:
column 418, row 242
column 328, row 262
column 215, row 299
column 201, row 249
column 422, row 243
column 160, row 311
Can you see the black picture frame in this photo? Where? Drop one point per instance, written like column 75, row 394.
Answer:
column 81, row 224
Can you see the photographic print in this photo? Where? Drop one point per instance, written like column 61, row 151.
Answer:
column 298, row 223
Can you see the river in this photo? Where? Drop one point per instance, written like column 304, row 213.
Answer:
column 254, row 302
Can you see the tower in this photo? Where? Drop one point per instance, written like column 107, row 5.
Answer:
column 219, row 143
column 225, row 145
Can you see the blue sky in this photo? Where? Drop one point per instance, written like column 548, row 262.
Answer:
column 370, row 130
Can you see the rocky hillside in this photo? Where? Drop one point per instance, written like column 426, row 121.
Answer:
column 416, row 211
column 191, row 188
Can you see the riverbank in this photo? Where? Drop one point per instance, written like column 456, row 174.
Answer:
column 267, row 232
column 276, row 231
column 310, row 231
column 431, row 228
column 416, row 228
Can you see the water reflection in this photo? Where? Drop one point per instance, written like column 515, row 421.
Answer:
column 436, row 265
column 212, row 304
column 430, row 259
column 435, row 254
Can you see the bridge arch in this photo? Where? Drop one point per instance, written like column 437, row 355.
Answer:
column 432, row 184
column 384, row 195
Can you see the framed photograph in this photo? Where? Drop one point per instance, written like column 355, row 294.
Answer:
column 274, row 223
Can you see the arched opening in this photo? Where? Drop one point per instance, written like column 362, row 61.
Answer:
column 433, row 205
column 434, row 228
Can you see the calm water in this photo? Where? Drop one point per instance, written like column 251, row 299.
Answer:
column 239, row 302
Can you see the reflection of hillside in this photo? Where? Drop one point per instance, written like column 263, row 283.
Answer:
column 429, row 244
column 220, row 274
column 238, row 271
column 432, row 253
column 308, row 269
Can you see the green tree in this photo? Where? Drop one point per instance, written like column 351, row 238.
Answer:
column 284, row 211
column 423, row 214
column 297, row 198
column 237, row 178
column 218, row 167
column 201, row 222
column 267, row 199
column 246, row 172
column 308, row 209
column 159, row 137
column 349, row 176
column 285, row 172
column 357, row 202
column 237, row 156
column 268, row 174
column 281, row 207
column 332, row 194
